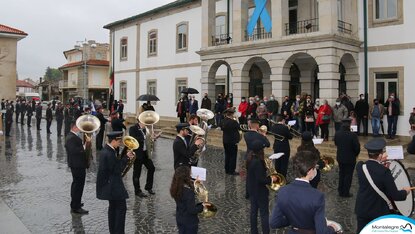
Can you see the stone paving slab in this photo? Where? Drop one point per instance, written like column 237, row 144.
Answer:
column 9, row 222
column 35, row 183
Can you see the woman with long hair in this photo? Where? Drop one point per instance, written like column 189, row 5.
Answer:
column 182, row 191
column 258, row 192
column 307, row 144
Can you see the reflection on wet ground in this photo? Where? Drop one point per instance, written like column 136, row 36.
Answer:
column 35, row 184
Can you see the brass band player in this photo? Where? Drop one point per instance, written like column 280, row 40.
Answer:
column 182, row 150
column 231, row 137
column 193, row 120
column 281, row 164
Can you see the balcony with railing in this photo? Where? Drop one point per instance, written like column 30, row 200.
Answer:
column 259, row 34
column 64, row 84
column 344, row 27
column 303, row 26
column 221, row 39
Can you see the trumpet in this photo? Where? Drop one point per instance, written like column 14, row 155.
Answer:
column 264, row 129
column 131, row 144
column 202, row 193
column 272, row 172
column 328, row 163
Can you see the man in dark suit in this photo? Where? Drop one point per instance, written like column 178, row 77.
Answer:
column 38, row 116
column 103, row 121
column 49, row 117
column 67, row 118
column 110, row 185
column 362, row 114
column 206, row 102
column 181, row 150
column 8, row 119
column 281, row 164
column 17, row 111
column 116, row 122
column 369, row 204
column 298, row 204
column 193, row 105
column 348, row 148
column 59, row 118
column 29, row 114
column 138, row 131
column 230, row 139
column 78, row 163
column 22, row 111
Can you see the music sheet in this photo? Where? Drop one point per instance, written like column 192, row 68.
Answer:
column 394, row 152
column 198, row 172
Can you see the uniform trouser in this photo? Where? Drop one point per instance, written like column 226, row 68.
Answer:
column 138, row 164
column 38, row 122
column 231, row 154
column 77, row 187
column 187, row 228
column 17, row 117
column 281, row 164
column 22, row 118
column 361, row 223
column 345, row 178
column 260, row 203
column 364, row 122
column 67, row 127
column 29, row 120
column 59, row 126
column 8, row 128
column 116, row 216
column 48, row 123
column 99, row 138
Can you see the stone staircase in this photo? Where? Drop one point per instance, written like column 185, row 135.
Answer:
column 214, row 139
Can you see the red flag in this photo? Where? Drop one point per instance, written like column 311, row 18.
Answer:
column 111, row 82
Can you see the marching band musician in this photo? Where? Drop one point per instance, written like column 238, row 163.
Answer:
column 78, row 163
column 369, row 204
column 193, row 120
column 250, row 136
column 230, row 139
column 298, row 204
column 110, row 185
column 138, row 131
column 103, row 121
column 116, row 122
column 181, row 149
column 281, row 164
column 257, row 180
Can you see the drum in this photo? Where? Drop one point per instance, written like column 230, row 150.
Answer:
column 402, row 179
column 337, row 227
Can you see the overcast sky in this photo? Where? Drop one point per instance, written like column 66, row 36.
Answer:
column 55, row 25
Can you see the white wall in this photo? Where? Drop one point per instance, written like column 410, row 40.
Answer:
column 130, row 103
column 131, row 33
column 98, row 77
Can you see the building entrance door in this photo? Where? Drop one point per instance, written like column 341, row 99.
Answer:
column 255, row 82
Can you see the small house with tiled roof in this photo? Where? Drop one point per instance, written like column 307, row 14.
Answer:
column 8, row 53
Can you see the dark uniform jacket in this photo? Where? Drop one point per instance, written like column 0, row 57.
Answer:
column 281, row 146
column 301, row 206
column 182, row 153
column 348, row 146
column 230, row 130
column 187, row 209
column 75, row 151
column 257, row 179
column 138, row 133
column 29, row 111
column 117, row 125
column 251, row 136
column 109, row 180
column 49, row 115
column 368, row 203
column 9, row 116
column 59, row 114
column 38, row 111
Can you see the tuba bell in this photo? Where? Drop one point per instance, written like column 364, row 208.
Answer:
column 149, row 118
column 88, row 124
column 272, row 172
column 131, row 144
column 202, row 194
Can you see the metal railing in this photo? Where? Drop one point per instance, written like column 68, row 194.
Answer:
column 221, row 39
column 64, row 84
column 299, row 27
column 259, row 34
column 344, row 27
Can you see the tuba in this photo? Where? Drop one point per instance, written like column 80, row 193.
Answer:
column 88, row 124
column 272, row 172
column 328, row 163
column 204, row 115
column 202, row 194
column 197, row 133
column 149, row 118
column 131, row 144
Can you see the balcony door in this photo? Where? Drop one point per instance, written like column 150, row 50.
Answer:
column 293, row 15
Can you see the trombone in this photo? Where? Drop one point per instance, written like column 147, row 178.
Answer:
column 293, row 132
column 264, row 129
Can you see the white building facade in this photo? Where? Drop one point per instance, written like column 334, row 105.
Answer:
column 314, row 46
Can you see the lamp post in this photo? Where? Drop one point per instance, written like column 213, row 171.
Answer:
column 85, row 72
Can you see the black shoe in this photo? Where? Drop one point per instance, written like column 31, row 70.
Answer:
column 141, row 194
column 150, row 191
column 80, row 211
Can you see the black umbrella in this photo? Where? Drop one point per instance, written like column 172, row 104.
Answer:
column 148, row 97
column 189, row 90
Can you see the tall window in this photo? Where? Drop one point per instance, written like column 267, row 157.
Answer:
column 386, row 83
column 152, row 87
column 182, row 39
column 220, row 25
column 123, row 90
column 123, row 49
column 340, row 10
column 152, row 42
column 386, row 9
column 180, row 85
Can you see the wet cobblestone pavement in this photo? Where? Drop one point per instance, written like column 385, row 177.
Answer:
column 35, row 183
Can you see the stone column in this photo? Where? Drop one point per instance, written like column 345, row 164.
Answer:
column 279, row 15
column 208, row 22
column 328, row 16
column 207, row 82
column 266, row 84
column 239, row 20
column 352, row 84
column 280, row 85
column 240, row 81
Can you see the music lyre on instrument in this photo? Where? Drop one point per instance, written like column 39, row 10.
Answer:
column 402, row 179
column 132, row 144
column 88, row 124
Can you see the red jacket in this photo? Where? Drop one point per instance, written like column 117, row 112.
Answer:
column 243, row 106
column 323, row 110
